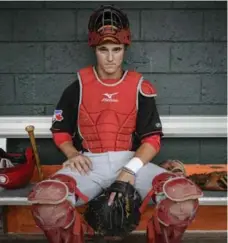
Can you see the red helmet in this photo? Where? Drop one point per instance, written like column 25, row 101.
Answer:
column 109, row 23
column 16, row 170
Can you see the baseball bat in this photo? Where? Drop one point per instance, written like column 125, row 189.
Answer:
column 30, row 130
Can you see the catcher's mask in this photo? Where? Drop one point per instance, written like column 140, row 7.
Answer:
column 108, row 23
column 16, row 170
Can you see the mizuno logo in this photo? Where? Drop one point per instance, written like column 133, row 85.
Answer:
column 108, row 97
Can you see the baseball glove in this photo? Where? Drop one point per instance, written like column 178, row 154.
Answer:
column 175, row 166
column 213, row 181
column 118, row 219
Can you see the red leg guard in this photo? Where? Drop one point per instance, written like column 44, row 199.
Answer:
column 177, row 204
column 75, row 233
column 54, row 214
column 53, row 235
column 170, row 220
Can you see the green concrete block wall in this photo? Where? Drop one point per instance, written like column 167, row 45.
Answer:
column 179, row 46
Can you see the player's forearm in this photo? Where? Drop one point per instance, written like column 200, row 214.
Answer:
column 68, row 149
column 63, row 141
column 149, row 148
column 146, row 152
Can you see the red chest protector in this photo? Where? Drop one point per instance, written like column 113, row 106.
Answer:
column 107, row 112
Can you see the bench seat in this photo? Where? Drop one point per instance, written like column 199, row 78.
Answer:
column 19, row 197
column 18, row 219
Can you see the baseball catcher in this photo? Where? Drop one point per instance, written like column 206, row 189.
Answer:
column 107, row 125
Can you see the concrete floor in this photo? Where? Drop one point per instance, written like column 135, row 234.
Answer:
column 189, row 237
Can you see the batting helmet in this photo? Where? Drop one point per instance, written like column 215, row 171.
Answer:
column 16, row 170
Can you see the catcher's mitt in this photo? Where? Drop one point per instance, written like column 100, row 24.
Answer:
column 175, row 166
column 121, row 217
column 213, row 181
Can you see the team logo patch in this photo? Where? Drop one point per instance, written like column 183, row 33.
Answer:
column 57, row 115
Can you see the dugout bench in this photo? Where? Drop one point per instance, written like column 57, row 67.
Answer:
column 14, row 207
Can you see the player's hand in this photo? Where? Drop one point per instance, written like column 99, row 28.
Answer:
column 80, row 163
column 126, row 177
column 123, row 176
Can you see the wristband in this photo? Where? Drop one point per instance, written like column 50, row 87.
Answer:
column 128, row 171
column 135, row 164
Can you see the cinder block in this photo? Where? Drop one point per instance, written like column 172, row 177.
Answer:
column 49, row 109
column 33, row 25
column 6, row 24
column 82, row 24
column 163, row 109
column 67, row 57
column 199, row 4
column 21, row 58
column 215, row 25
column 22, row 110
column 21, row 4
column 198, row 57
column 7, row 89
column 198, row 110
column 214, row 89
column 148, row 57
column 176, row 89
column 41, row 89
column 121, row 4
column 171, row 25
